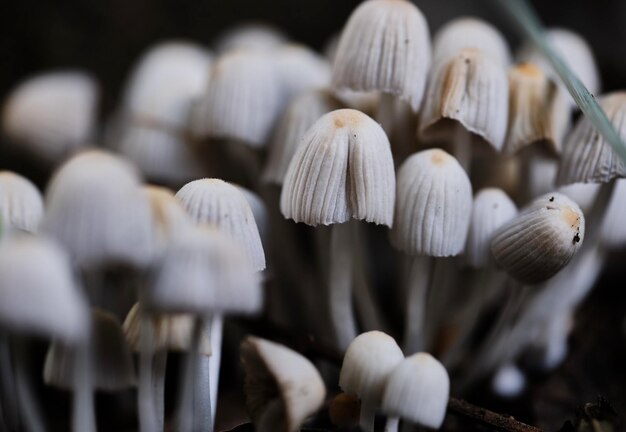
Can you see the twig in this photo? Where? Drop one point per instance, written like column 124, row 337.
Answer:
column 488, row 418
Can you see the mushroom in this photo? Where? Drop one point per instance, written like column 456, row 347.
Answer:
column 21, row 204
column 367, row 364
column 282, row 387
column 253, row 36
column 300, row 69
column 509, row 381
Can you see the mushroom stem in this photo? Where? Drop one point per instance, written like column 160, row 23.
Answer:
column 147, row 404
column 8, row 403
column 158, row 387
column 340, row 279
column 216, row 332
column 83, row 405
column 367, row 415
column 419, row 274
column 392, row 424
column 31, row 415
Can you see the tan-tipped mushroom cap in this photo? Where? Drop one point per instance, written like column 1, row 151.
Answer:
column 385, row 46
column 470, row 89
column 367, row 364
column 21, row 203
column 541, row 240
column 417, row 390
column 342, row 170
column 222, row 204
column 282, row 387
column 433, row 205
column 587, row 157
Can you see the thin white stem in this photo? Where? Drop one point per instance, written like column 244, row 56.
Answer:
column 392, row 424
column 31, row 415
column 367, row 416
column 83, row 409
column 217, row 331
column 158, row 387
column 145, row 395
column 418, row 281
column 203, row 421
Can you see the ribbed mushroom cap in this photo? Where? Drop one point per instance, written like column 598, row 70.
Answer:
column 222, row 204
column 303, row 111
column 250, row 36
column 170, row 332
column 367, row 364
column 110, row 357
column 37, row 291
column 97, row 211
column 587, row 157
column 300, row 69
column 538, row 113
column 342, row 170
column 385, row 46
column 282, row 387
column 541, row 240
column 168, row 214
column 243, row 100
column 470, row 32
column 21, row 203
column 204, row 271
column 433, row 205
column 51, row 115
column 470, row 89
column 417, row 390
column 613, row 231
column 492, row 208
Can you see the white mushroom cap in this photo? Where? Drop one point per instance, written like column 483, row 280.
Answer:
column 587, row 157
column 492, row 208
column 204, row 271
column 470, row 32
column 97, row 211
column 216, row 202
column 53, row 114
column 433, row 205
column 300, row 69
column 508, row 381
column 303, row 111
column 21, row 203
column 470, row 89
column 342, row 170
column 541, row 240
column 37, row 291
column 367, row 364
column 613, row 230
column 282, row 387
column 417, row 390
column 385, row 46
column 250, row 36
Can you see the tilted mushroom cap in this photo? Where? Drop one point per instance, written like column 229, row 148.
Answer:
column 250, row 36
column 470, row 32
column 541, row 240
column 367, row 364
column 587, row 157
column 243, row 100
column 21, row 204
column 300, row 69
column 216, row 202
column 385, row 46
column 417, row 390
column 168, row 214
column 433, row 205
column 110, row 357
column 303, row 111
column 37, row 291
column 204, row 271
column 492, row 208
column 613, row 231
column 470, row 89
column 538, row 113
column 170, row 332
column 282, row 387
column 342, row 170
column 97, row 211
column 51, row 115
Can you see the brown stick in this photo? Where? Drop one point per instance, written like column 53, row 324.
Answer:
column 492, row 420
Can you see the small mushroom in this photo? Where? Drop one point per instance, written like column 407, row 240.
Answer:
column 21, row 204
column 300, row 69
column 508, row 381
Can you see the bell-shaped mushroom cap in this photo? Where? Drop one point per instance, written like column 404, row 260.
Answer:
column 385, row 47
column 218, row 203
column 21, row 204
column 303, row 111
column 367, row 364
column 97, row 211
column 538, row 113
column 471, row 89
column 470, row 32
column 433, row 205
column 170, row 332
column 492, row 208
column 243, row 100
column 203, row 271
column 250, row 36
column 574, row 51
column 417, row 390
column 587, row 157
column 613, row 231
column 51, row 115
column 109, row 355
column 37, row 291
column 342, row 170
column 168, row 214
column 541, row 240
column 300, row 69
column 282, row 387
